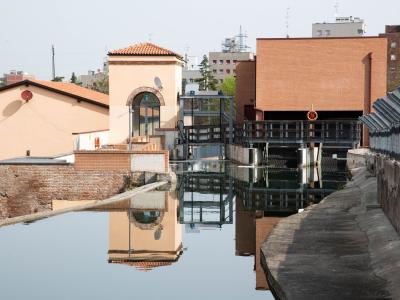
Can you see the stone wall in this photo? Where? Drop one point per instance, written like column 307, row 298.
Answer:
column 28, row 189
column 388, row 175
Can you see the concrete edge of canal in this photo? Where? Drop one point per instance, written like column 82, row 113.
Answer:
column 342, row 248
column 79, row 207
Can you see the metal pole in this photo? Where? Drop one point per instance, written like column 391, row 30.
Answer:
column 129, row 233
column 130, row 128
column 231, row 121
column 220, row 120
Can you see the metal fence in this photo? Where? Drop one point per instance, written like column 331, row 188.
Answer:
column 386, row 142
column 297, row 132
column 384, row 125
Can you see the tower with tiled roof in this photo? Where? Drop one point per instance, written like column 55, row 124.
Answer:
column 145, row 81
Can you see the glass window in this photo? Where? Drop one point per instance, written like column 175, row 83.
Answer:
column 221, row 70
column 214, row 71
column 146, row 114
column 221, row 61
column 228, row 71
column 228, row 61
column 393, row 45
column 214, row 61
column 393, row 57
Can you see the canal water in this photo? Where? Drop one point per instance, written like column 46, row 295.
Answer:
column 199, row 239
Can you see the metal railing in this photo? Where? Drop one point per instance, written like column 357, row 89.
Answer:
column 384, row 125
column 346, row 132
column 297, row 132
column 386, row 142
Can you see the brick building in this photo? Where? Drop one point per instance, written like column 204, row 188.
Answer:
column 392, row 33
column 14, row 77
column 338, row 77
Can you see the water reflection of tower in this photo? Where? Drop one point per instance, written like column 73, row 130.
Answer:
column 144, row 232
column 205, row 196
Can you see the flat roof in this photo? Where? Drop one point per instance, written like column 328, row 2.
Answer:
column 31, row 160
column 321, row 38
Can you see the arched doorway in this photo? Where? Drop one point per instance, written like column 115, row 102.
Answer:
column 146, row 114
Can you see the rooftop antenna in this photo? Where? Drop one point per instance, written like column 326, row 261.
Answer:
column 187, row 49
column 150, row 37
column 242, row 40
column 53, row 52
column 336, row 10
column 287, row 21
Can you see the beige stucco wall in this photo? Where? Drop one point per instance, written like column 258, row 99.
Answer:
column 45, row 124
column 141, row 72
column 143, row 239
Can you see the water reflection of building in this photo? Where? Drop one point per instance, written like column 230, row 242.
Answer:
column 252, row 228
column 285, row 191
column 206, row 197
column 144, row 232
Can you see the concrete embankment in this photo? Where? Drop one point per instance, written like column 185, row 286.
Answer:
column 343, row 248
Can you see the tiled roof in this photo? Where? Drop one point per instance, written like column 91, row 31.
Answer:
column 77, row 90
column 145, row 49
column 68, row 89
column 144, row 265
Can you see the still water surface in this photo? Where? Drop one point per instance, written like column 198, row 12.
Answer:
column 198, row 240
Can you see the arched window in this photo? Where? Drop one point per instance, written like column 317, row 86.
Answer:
column 146, row 114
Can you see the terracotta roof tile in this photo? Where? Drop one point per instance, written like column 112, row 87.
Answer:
column 145, row 49
column 76, row 90
column 67, row 89
column 144, row 265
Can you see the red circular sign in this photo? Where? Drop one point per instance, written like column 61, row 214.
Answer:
column 26, row 95
column 312, row 115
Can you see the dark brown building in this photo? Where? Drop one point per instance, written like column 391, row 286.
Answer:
column 392, row 33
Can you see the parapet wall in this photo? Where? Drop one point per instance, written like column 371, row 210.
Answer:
column 388, row 175
column 387, row 172
column 123, row 160
column 96, row 175
column 26, row 189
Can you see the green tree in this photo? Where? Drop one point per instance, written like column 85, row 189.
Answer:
column 228, row 86
column 73, row 79
column 207, row 80
column 58, row 79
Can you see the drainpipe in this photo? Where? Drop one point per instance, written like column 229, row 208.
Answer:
column 368, row 96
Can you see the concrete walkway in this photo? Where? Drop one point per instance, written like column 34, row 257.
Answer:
column 342, row 248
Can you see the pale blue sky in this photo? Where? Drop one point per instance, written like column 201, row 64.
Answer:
column 82, row 30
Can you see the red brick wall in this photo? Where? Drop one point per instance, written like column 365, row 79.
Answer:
column 103, row 160
column 119, row 160
column 393, row 74
column 245, row 87
column 293, row 74
column 31, row 188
